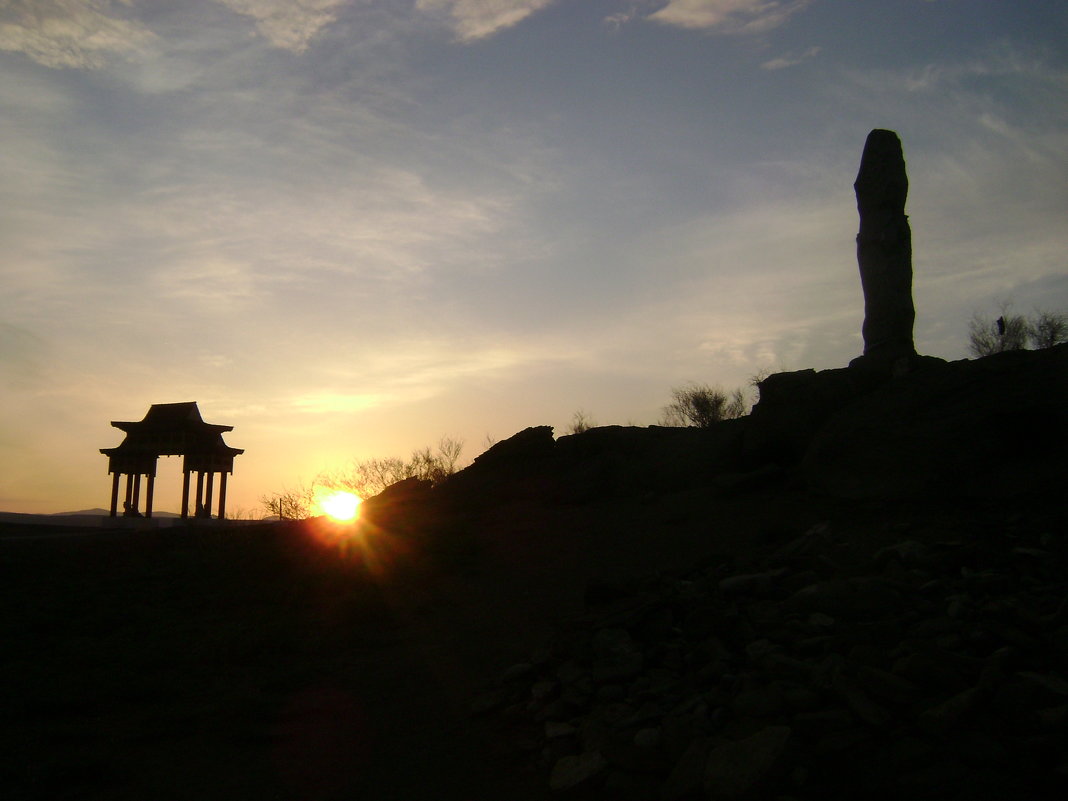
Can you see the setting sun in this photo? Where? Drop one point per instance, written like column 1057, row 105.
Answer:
column 339, row 504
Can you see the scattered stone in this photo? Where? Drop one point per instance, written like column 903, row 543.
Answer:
column 739, row 769
column 688, row 775
column 554, row 729
column 647, row 739
column 852, row 678
column 572, row 771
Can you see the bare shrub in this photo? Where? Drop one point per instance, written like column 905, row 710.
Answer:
column 580, row 421
column 1047, row 329
column 1010, row 331
column 703, row 405
column 295, row 504
column 987, row 336
column 368, row 477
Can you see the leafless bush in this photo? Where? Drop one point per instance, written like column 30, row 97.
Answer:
column 1048, row 329
column 580, row 421
column 1011, row 331
column 295, row 504
column 987, row 336
column 369, row 477
column 703, row 405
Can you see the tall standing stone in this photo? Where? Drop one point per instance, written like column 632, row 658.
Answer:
column 884, row 253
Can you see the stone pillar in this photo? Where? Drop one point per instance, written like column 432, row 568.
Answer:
column 115, row 493
column 884, row 253
column 185, row 493
column 207, row 495
column 136, row 495
column 222, row 495
column 148, row 494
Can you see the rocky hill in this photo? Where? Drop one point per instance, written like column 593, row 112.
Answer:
column 920, row 653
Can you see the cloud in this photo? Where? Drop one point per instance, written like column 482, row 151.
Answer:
column 288, row 24
column 478, row 19
column 728, row 16
column 789, row 60
column 78, row 34
column 1001, row 61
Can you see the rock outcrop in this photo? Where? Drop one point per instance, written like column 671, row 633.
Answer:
column 990, row 428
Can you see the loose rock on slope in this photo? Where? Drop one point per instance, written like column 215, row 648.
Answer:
column 933, row 667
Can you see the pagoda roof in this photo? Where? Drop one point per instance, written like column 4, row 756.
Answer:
column 171, row 429
column 171, row 416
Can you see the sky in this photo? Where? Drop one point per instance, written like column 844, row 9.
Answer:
column 350, row 227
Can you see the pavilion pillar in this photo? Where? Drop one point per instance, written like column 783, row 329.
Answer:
column 129, row 494
column 136, row 494
column 207, row 496
column 199, row 506
column 222, row 495
column 148, row 494
column 114, row 493
column 185, row 494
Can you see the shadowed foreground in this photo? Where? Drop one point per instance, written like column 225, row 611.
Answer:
column 272, row 662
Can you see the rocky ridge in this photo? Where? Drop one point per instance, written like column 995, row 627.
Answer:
column 932, row 666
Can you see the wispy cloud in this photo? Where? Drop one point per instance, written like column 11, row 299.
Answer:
column 790, row 60
column 288, row 24
column 616, row 21
column 477, row 19
column 80, row 34
column 1000, row 61
column 728, row 16
column 409, row 372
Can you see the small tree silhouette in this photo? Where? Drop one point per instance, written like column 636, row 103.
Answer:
column 580, row 421
column 1048, row 329
column 1010, row 331
column 703, row 405
column 294, row 504
column 369, row 477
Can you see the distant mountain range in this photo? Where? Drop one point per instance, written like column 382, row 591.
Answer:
column 89, row 512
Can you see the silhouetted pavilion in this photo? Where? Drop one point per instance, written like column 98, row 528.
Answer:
column 171, row 429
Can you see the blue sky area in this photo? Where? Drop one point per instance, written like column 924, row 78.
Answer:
column 349, row 227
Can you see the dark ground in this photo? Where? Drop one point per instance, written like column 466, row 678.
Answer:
column 277, row 661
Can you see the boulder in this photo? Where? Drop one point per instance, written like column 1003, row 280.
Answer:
column 793, row 406
column 571, row 771
column 535, row 442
